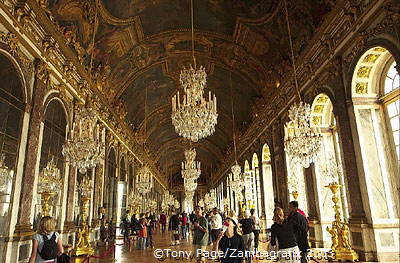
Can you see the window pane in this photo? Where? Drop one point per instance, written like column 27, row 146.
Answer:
column 392, row 79
column 396, row 137
column 392, row 110
column 395, row 122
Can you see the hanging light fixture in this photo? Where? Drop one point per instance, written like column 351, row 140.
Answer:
column 190, row 168
column 6, row 175
column 195, row 118
column 85, row 146
column 302, row 140
column 145, row 177
column 235, row 177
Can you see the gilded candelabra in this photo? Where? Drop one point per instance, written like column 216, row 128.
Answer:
column 83, row 246
column 340, row 231
column 49, row 180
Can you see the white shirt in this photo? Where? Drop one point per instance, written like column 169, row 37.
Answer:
column 216, row 221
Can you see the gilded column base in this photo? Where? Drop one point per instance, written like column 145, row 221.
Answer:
column 345, row 254
column 24, row 230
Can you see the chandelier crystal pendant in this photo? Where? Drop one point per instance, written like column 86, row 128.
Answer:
column 302, row 141
column 190, row 184
column 50, row 178
column 195, row 117
column 144, row 180
column 190, row 168
column 84, row 147
column 6, row 175
column 236, row 179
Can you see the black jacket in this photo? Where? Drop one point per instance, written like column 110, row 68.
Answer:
column 300, row 228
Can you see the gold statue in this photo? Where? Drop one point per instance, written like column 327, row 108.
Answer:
column 340, row 231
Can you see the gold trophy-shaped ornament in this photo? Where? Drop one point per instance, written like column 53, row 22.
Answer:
column 340, row 231
column 49, row 181
column 295, row 194
column 83, row 246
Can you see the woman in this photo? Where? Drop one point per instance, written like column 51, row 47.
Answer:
column 46, row 234
column 230, row 243
column 141, row 244
column 282, row 230
column 256, row 229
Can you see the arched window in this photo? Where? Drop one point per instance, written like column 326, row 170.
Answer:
column 121, row 189
column 12, row 107
column 53, row 139
column 256, row 185
column 328, row 167
column 268, row 185
column 375, row 91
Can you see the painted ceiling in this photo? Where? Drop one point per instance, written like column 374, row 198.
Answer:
column 141, row 45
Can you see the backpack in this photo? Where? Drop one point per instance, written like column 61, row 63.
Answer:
column 50, row 248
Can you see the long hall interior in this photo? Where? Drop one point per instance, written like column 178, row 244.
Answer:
column 121, row 118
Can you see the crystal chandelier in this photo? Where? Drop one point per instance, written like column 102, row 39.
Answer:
column 6, row 175
column 86, row 187
column 85, row 145
column 190, row 184
column 50, row 178
column 331, row 171
column 189, row 195
column 302, row 141
column 201, row 203
column 236, row 179
column 190, row 168
column 134, row 200
column 145, row 180
column 195, row 118
column 210, row 200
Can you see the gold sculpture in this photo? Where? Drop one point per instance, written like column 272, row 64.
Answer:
column 295, row 195
column 83, row 246
column 340, row 231
column 46, row 195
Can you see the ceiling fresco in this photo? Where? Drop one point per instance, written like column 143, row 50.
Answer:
column 141, row 44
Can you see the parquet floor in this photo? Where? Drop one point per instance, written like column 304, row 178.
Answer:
column 124, row 253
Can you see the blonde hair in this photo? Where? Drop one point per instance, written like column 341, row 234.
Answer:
column 278, row 218
column 47, row 225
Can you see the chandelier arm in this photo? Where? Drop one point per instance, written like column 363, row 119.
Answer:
column 233, row 117
column 291, row 50
column 192, row 21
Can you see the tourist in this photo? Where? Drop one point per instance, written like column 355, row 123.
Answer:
column 232, row 215
column 247, row 229
column 126, row 226
column 104, row 231
column 257, row 228
column 230, row 243
column 141, row 244
column 216, row 224
column 300, row 228
column 163, row 221
column 46, row 244
column 184, row 224
column 200, row 234
column 174, row 223
column 282, row 230
column 150, row 228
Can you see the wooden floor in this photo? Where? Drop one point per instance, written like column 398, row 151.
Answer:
column 125, row 253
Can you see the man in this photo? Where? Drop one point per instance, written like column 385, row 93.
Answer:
column 200, row 235
column 174, row 224
column 300, row 228
column 216, row 224
column 163, row 221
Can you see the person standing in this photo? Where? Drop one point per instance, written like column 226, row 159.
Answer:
column 200, row 236
column 174, row 223
column 230, row 243
column 184, row 222
column 282, row 230
column 163, row 221
column 300, row 228
column 216, row 224
column 257, row 228
column 46, row 244
column 248, row 235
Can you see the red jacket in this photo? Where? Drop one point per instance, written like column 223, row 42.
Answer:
column 163, row 219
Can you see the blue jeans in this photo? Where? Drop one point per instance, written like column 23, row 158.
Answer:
column 184, row 232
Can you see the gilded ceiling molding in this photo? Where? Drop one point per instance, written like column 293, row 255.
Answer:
column 340, row 27
column 35, row 24
column 112, row 20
